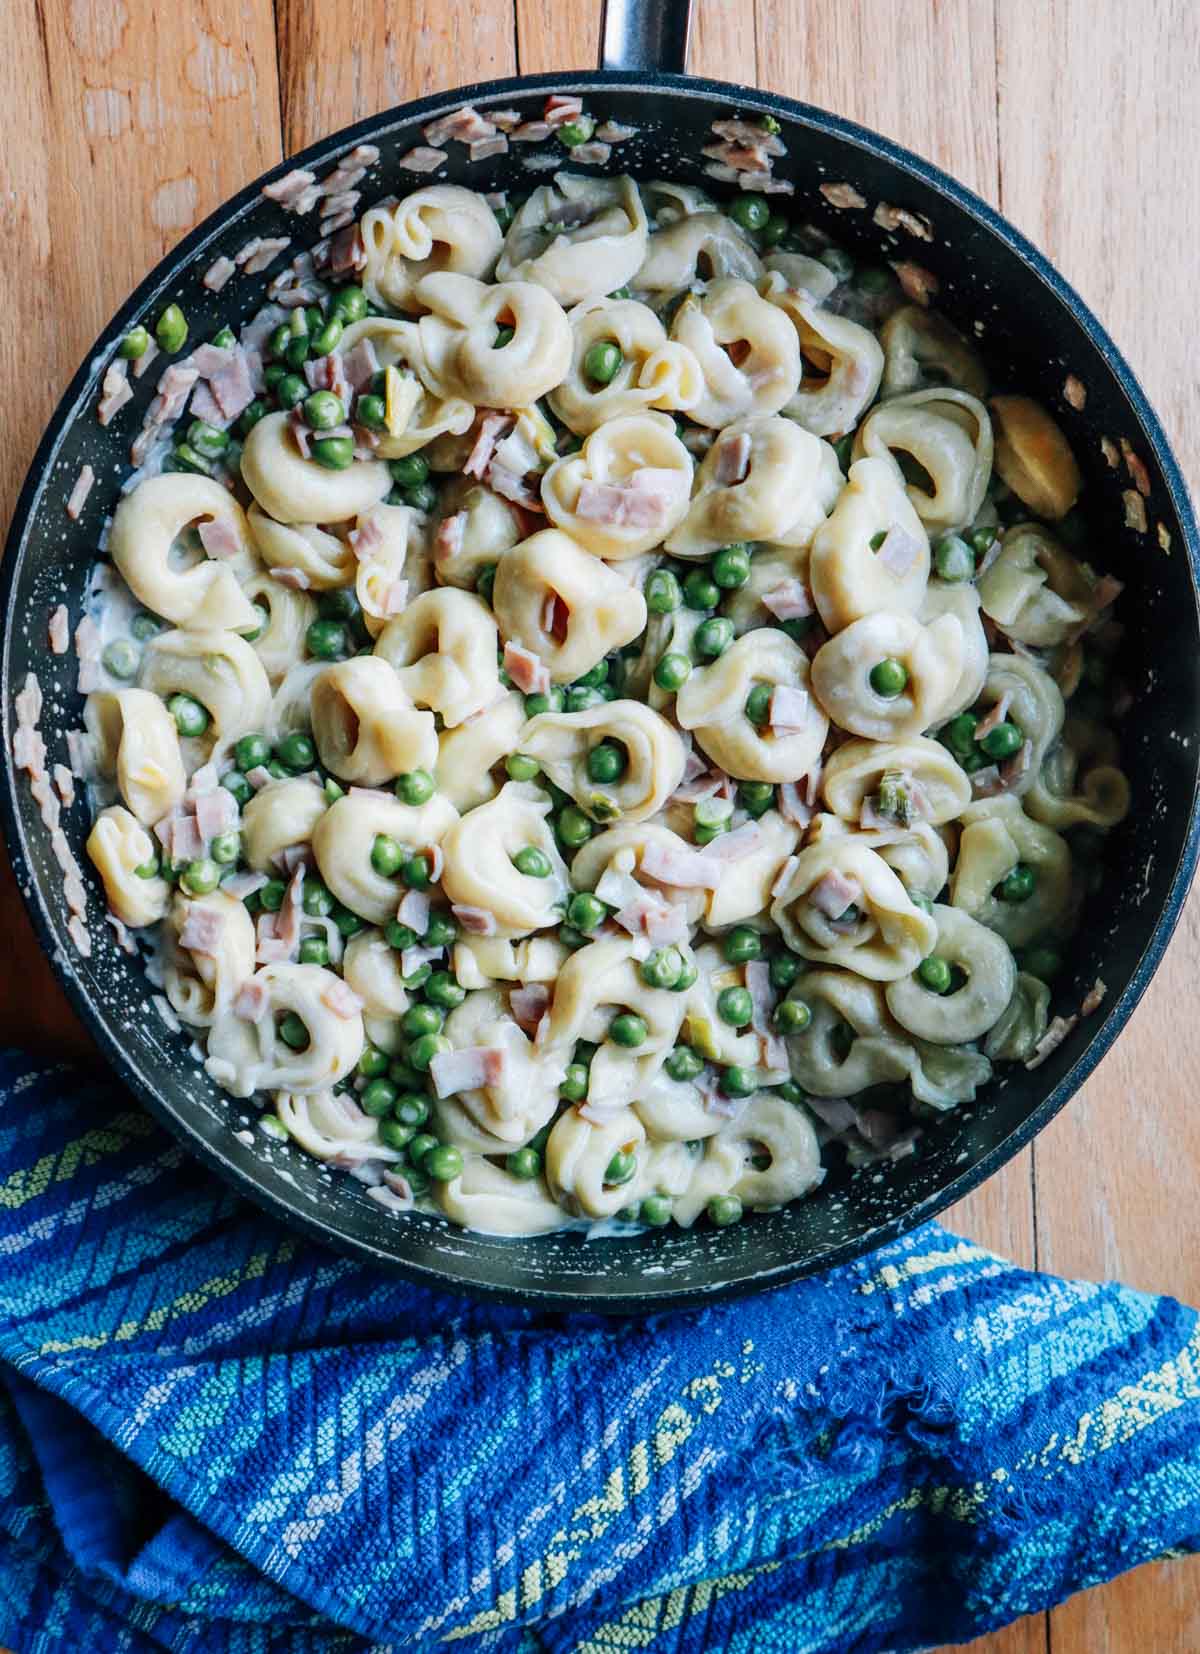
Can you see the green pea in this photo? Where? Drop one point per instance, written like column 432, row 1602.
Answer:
column 959, row 734
column 297, row 354
column 687, row 977
column 411, row 1109
column 532, row 862
column 724, row 1210
column 576, row 132
column 918, row 898
column 349, row 304
column 1042, row 962
column 201, row 878
column 595, row 676
column 327, row 337
column 574, row 1087
column 838, row 262
column 602, row 362
column 981, row 540
column 524, row 1164
column 953, row 558
column 790, row 1092
column 335, row 453
column 314, row 950
column 422, row 1019
column 415, row 787
column 573, row 827
column 121, row 659
column 713, row 637
column 742, row 944
column 662, row 592
column 889, row 678
column 416, row 873
column 504, row 336
column 191, row 719
column 774, row 230
column 278, row 771
column 225, row 848
column 672, row 672
column 731, row 566
column 323, row 411
column 656, row 1211
column 316, row 899
column 396, row 1136
column 935, row 974
column 874, row 280
column 586, row 911
column 700, row 590
column 403, row 1076
column 756, row 797
column 621, row 1167
column 237, row 784
column 251, row 751
column 339, row 604
column 297, row 752
column 425, row 1048
column 519, row 767
column 421, row 498
column 684, row 1063
column 444, row 991
column 206, row 439
column 185, row 458
column 663, row 968
column 758, row 704
column 387, row 856
column 293, row 1033
column 135, row 343
column 792, row 1016
column 1003, row 741
column 145, row 625
column 399, row 936
column 551, row 701
column 444, row 1163
column 628, row 1029
column 735, row 1006
column 1019, row 885
column 371, row 411
column 738, row 1082
column 372, row 1062
column 376, row 1099
column 278, row 341
column 579, row 698
column 442, row 931
column 606, row 762
column 422, row 1144
column 332, row 791
column 784, row 969
column 272, row 374
column 146, row 870
column 712, row 812
column 251, row 415
column 291, row 390
column 705, row 832
column 347, row 922
column 171, row 330
column 271, row 895
column 749, row 211
column 325, row 640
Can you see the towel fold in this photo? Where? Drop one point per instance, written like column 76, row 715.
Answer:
column 218, row 1438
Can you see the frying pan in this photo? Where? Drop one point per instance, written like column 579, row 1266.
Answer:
column 1034, row 330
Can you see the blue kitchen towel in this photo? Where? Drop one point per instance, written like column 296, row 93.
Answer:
column 218, row 1438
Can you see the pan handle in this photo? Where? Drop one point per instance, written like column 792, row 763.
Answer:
column 646, row 34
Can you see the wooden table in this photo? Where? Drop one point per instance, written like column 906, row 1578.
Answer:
column 126, row 124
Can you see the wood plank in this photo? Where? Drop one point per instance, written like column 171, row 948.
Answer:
column 340, row 62
column 1100, row 144
column 134, row 121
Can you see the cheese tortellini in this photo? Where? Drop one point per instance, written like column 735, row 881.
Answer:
column 949, row 436
column 200, row 593
column 764, row 479
column 873, row 552
column 841, row 904
column 843, row 361
column 137, row 743
column 293, row 489
column 443, row 650
column 481, row 872
column 747, row 350
column 344, row 840
column 653, row 757
column 439, row 228
column 625, row 490
column 714, row 702
column 654, row 372
column 217, row 669
column 930, row 663
column 367, row 727
column 559, row 601
column 461, row 354
column 118, row 846
column 578, row 237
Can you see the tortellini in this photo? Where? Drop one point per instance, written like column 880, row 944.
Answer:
column 508, row 1110
column 713, row 704
column 345, row 836
column 375, row 971
column 898, row 781
column 394, row 565
column 931, row 659
column 845, row 359
column 317, row 558
column 998, row 837
column 416, row 414
column 654, row 372
column 203, row 593
column 1033, row 456
column 1034, row 703
column 625, row 490
column 439, row 228
column 443, row 651
column 218, row 669
column 872, row 553
column 280, row 816
column 654, row 757
column 564, row 605
column 971, row 1010
column 578, row 238
column 481, row 874
column 703, row 246
column 292, row 489
column 365, row 723
column 117, row 846
column 468, row 753
column 460, row 355
column 1035, row 589
column 485, row 526
column 245, row 1056
column 763, row 479
column 579, row 1152
column 201, row 983
column 942, row 597
column 1079, row 781
column 747, row 350
column 841, row 904
column 948, row 435
column 137, row 742
column 765, row 1157
column 1022, row 1023
column 921, row 348
column 486, row 1198
column 744, row 891
column 288, row 615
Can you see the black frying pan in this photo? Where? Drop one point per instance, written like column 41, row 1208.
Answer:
column 1036, row 331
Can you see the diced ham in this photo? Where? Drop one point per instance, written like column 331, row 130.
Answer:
column 899, row 218
column 65, row 783
column 124, row 940
column 206, row 407
column 346, row 251
column 219, row 539
column 59, row 630
column 834, row 1112
column 1105, row 593
column 296, row 579
column 174, row 388
column 526, row 670
column 254, row 256
column 242, row 885
column 737, row 131
column 423, row 159
column 228, row 374
column 987, row 782
column 29, row 751
column 468, row 1069
column 360, row 365
column 560, row 108
column 783, row 876
column 591, row 154
column 327, row 373
column 789, row 600
column 732, row 459
column 491, row 427
column 792, row 807
column 475, row 920
column 464, row 126
column 528, row 1005
column 79, row 493
column 512, row 487
column 340, row 998
column 762, row 999
column 812, row 783
column 293, row 856
column 218, row 273
column 187, row 843
column 203, row 781
column 996, row 715
column 789, row 710
column 448, row 541
column 202, row 929
column 216, row 813
column 481, row 148
column 613, row 132
column 115, row 391
column 142, row 362
column 917, row 283
column 259, row 777
column 833, row 893
column 531, row 132
column 289, row 189
column 641, row 503
column 252, row 1000
column 898, row 552
column 683, row 868
column 414, row 911
column 743, row 841
column 1050, row 1041
column 505, row 119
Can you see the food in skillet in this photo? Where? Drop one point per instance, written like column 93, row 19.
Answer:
column 596, row 704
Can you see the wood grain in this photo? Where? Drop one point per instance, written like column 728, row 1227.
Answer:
column 1077, row 117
